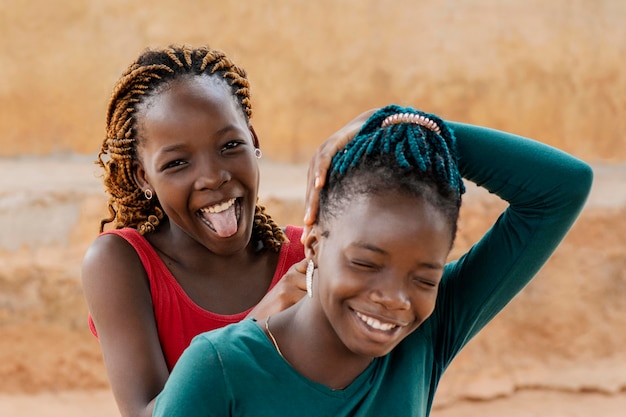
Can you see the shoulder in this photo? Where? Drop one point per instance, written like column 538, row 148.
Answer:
column 110, row 250
column 233, row 343
column 245, row 330
column 293, row 232
column 221, row 353
column 200, row 383
column 112, row 262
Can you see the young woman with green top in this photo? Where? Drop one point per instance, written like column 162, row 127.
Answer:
column 386, row 312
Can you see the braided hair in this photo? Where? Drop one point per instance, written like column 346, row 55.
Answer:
column 145, row 77
column 418, row 159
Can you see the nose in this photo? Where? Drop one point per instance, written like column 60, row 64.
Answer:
column 211, row 174
column 391, row 295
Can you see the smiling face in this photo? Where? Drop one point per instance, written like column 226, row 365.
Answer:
column 379, row 264
column 197, row 156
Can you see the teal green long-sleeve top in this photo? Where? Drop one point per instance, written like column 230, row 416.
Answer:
column 235, row 371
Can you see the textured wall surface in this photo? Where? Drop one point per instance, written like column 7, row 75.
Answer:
column 549, row 70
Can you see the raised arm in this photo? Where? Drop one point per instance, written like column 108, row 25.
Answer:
column 546, row 190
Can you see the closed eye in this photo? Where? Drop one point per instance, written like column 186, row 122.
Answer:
column 364, row 266
column 427, row 283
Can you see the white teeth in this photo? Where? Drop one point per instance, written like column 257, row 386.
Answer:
column 219, row 207
column 372, row 322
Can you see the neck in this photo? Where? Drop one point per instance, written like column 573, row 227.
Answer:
column 306, row 340
column 176, row 245
column 218, row 283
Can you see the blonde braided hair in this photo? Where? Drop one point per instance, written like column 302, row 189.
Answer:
column 154, row 68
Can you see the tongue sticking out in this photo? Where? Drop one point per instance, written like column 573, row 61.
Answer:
column 224, row 222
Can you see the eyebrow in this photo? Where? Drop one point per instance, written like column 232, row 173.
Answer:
column 227, row 128
column 172, row 148
column 376, row 249
column 178, row 146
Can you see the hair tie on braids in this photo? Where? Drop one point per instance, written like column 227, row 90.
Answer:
column 416, row 119
column 416, row 139
column 398, row 149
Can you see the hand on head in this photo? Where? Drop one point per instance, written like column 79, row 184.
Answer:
column 320, row 162
column 385, row 220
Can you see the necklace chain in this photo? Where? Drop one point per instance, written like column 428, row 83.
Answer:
column 275, row 343
column 269, row 333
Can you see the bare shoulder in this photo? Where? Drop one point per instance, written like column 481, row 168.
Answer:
column 110, row 255
column 110, row 252
column 112, row 269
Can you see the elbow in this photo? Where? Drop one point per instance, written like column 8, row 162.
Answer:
column 583, row 175
column 578, row 182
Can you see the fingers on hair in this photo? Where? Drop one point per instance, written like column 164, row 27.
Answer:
column 412, row 145
column 412, row 152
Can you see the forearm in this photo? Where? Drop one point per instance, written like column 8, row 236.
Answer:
column 135, row 391
column 522, row 171
column 137, row 410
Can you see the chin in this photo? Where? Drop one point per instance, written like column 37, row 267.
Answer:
column 230, row 245
column 373, row 352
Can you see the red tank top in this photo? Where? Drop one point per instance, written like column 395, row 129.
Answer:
column 178, row 318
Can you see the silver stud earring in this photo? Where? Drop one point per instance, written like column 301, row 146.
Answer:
column 309, row 278
column 258, row 153
column 148, row 194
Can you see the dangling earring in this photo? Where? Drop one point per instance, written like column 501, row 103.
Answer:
column 148, row 194
column 309, row 278
column 258, row 153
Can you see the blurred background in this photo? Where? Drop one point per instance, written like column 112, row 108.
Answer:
column 552, row 71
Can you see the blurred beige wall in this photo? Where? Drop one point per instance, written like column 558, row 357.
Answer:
column 549, row 70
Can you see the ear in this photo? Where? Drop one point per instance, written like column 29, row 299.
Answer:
column 312, row 243
column 139, row 175
column 255, row 138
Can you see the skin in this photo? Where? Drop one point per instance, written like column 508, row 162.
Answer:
column 201, row 154
column 373, row 286
column 196, row 150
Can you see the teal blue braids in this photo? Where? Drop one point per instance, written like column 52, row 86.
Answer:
column 414, row 147
column 415, row 158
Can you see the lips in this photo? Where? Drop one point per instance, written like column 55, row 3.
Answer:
column 375, row 323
